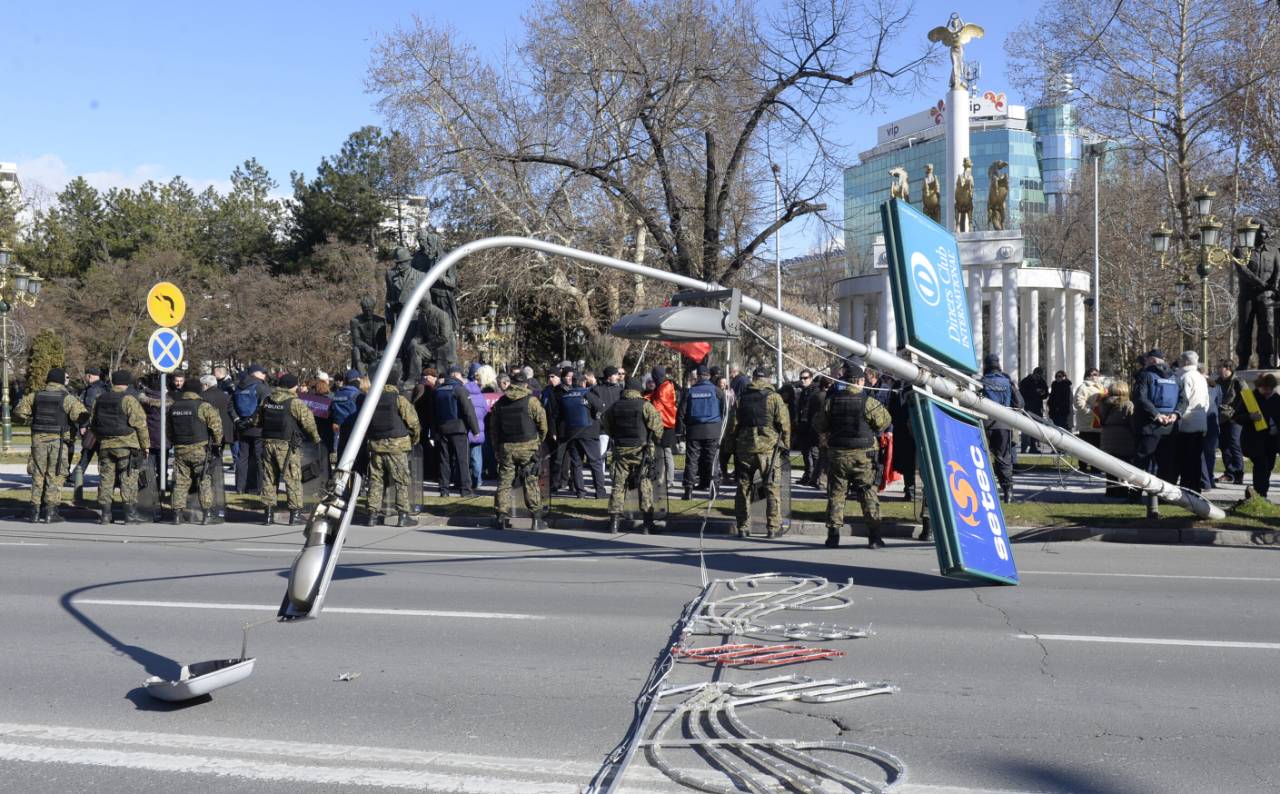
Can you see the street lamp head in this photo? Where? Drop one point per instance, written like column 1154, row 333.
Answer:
column 1209, row 229
column 5, row 255
column 1160, row 239
column 507, row 326
column 493, row 309
column 20, row 281
column 476, row 328
column 1204, row 201
column 1157, row 305
column 1247, row 233
column 33, row 284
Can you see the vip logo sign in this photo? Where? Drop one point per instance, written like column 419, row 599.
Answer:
column 971, row 536
column 927, row 282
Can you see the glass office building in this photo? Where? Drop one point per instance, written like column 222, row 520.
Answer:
column 1042, row 147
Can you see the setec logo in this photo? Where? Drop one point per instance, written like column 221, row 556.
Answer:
column 925, row 277
column 972, row 504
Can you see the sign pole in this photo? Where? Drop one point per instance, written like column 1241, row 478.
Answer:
column 164, row 390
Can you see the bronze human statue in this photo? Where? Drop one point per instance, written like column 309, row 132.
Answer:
column 368, row 336
column 445, row 291
column 964, row 198
column 997, row 194
column 932, row 195
column 435, row 344
column 402, row 278
column 1255, row 301
column 900, row 187
column 954, row 35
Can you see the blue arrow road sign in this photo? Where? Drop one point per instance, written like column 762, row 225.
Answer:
column 165, row 349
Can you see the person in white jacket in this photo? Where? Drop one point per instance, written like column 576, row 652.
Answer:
column 1086, row 396
column 1193, row 420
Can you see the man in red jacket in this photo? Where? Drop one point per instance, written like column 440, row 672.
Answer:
column 663, row 398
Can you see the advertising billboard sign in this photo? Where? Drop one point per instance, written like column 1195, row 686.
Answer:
column 970, row 533
column 927, row 283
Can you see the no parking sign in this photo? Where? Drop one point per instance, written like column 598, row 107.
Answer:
column 165, row 349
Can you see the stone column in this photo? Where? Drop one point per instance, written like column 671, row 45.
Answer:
column 1056, row 334
column 846, row 320
column 998, row 329
column 1013, row 327
column 975, row 307
column 888, row 321
column 858, row 329
column 1031, row 332
column 1076, row 328
column 957, row 121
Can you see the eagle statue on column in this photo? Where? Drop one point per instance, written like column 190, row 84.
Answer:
column 954, row 35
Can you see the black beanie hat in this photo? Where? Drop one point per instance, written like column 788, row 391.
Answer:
column 287, row 381
column 121, row 377
column 635, row 384
column 56, row 375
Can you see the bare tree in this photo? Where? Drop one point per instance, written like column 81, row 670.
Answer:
column 1155, row 74
column 640, row 127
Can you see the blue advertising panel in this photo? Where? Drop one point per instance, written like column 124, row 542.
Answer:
column 927, row 282
column 960, row 487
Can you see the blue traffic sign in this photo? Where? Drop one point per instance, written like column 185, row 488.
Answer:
column 165, row 349
column 927, row 283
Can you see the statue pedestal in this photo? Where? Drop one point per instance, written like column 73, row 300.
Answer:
column 1250, row 376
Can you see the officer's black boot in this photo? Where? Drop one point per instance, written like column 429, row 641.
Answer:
column 538, row 522
column 52, row 516
column 33, row 514
column 500, row 521
column 833, row 538
column 688, row 492
column 615, row 524
column 874, row 539
column 650, row 528
column 268, row 516
column 407, row 520
column 104, row 513
column 925, row 532
column 1006, row 494
column 131, row 515
column 177, row 517
column 296, row 518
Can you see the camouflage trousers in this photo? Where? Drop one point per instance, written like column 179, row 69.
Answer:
column 392, row 467
column 629, row 461
column 512, row 457
column 748, row 469
column 189, row 468
column 47, row 467
column 281, row 461
column 115, row 468
column 852, row 469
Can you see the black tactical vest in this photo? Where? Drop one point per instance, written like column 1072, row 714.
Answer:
column 188, row 427
column 514, row 421
column 278, row 422
column 753, row 408
column 849, row 429
column 627, row 423
column 47, row 415
column 387, row 422
column 109, row 420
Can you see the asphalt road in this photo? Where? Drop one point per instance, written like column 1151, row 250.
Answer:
column 509, row 662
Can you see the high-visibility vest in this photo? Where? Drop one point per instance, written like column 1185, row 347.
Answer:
column 1255, row 412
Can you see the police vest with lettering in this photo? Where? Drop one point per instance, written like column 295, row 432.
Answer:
column 109, row 420
column 514, row 422
column 704, row 406
column 753, row 408
column 574, row 408
column 278, row 422
column 448, row 418
column 849, row 428
column 47, row 415
column 626, row 420
column 387, row 421
column 188, row 427
column 1163, row 392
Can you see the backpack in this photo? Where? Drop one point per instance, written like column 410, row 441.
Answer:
column 998, row 389
column 1162, row 390
column 246, row 400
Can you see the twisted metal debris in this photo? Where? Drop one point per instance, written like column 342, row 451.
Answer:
column 739, row 607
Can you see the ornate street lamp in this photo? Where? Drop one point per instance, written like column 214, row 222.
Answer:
column 17, row 286
column 494, row 335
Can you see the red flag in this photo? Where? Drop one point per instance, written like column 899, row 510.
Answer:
column 696, row 351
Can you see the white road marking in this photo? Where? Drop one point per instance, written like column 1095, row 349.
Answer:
column 1157, row 576
column 1262, row 646
column 297, row 761
column 404, row 613
column 24, row 544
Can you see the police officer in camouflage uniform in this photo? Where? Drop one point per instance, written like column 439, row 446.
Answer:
column 761, row 429
column 51, row 411
column 635, row 427
column 518, row 424
column 195, row 427
column 393, row 432
column 850, row 424
column 284, row 419
column 120, row 425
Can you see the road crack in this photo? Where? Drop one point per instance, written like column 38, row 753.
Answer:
column 1008, row 621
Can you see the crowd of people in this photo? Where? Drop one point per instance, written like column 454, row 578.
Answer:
column 458, row 428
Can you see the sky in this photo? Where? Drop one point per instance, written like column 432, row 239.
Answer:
column 124, row 91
